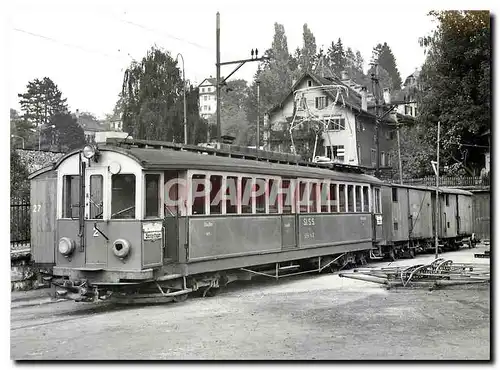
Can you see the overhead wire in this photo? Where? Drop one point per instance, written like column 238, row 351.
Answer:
column 66, row 43
column 150, row 29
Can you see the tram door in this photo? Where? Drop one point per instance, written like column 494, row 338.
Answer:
column 95, row 243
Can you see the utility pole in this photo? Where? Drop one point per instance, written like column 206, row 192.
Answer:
column 258, row 115
column 399, row 157
column 184, row 92
column 217, row 87
column 218, row 64
column 437, row 191
column 376, row 91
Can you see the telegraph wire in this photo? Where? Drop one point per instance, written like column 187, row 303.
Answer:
column 67, row 44
column 165, row 34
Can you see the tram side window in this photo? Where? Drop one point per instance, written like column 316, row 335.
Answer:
column 313, row 202
column 246, row 197
column 71, row 186
column 376, row 203
column 96, row 197
column 260, row 198
column 152, row 195
column 231, row 194
column 215, row 198
column 358, row 198
column 122, row 196
column 350, row 198
column 198, row 195
column 302, row 197
column 333, row 198
column 286, row 196
column 366, row 200
column 273, row 196
column 324, row 197
column 342, row 200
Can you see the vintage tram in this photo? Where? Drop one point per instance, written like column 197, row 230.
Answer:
column 142, row 220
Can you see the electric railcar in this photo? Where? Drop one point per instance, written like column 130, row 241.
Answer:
column 156, row 221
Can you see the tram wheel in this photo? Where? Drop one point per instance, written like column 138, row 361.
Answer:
column 212, row 292
column 180, row 298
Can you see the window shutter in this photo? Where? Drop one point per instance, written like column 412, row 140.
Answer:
column 316, row 102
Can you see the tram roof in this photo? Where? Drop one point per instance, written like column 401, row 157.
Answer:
column 164, row 159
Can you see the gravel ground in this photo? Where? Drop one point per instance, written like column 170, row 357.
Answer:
column 320, row 317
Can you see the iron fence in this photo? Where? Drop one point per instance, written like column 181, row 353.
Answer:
column 19, row 224
column 447, row 181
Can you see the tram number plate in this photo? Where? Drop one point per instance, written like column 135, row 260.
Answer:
column 152, row 235
column 379, row 219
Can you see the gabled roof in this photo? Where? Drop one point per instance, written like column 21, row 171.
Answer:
column 211, row 81
column 88, row 124
column 353, row 100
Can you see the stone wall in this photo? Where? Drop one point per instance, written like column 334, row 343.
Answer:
column 35, row 160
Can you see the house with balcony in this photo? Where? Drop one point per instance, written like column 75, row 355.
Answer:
column 350, row 119
column 207, row 97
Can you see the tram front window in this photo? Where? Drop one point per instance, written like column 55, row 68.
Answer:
column 123, row 196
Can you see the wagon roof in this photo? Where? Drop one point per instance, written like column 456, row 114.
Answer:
column 445, row 190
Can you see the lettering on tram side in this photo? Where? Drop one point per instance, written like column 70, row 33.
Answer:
column 309, row 235
column 308, row 221
column 36, row 208
column 208, row 224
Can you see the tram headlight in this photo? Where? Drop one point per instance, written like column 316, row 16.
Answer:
column 66, row 246
column 121, row 248
column 89, row 151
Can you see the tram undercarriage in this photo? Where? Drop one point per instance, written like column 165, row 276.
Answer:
column 177, row 288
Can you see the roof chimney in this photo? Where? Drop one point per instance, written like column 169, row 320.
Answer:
column 364, row 99
column 387, row 96
column 344, row 76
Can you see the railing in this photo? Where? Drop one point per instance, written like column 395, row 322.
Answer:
column 447, row 181
column 19, row 224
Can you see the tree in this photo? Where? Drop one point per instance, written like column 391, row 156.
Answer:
column 416, row 152
column 68, row 134
column 336, row 56
column 197, row 127
column 455, row 82
column 152, row 98
column 20, row 127
column 359, row 62
column 275, row 77
column 19, row 184
column 233, row 116
column 41, row 101
column 308, row 53
column 385, row 58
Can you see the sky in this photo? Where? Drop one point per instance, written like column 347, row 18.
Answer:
column 85, row 46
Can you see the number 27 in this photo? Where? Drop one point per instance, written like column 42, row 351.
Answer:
column 36, row 207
